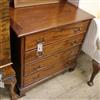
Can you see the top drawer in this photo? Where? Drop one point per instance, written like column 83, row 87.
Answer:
column 55, row 34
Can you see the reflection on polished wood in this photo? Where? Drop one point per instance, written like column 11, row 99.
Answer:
column 40, row 18
column 59, row 27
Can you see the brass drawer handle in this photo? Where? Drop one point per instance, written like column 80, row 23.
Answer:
column 35, row 69
column 68, row 62
column 41, row 40
column 74, row 43
column 60, row 30
column 38, row 68
column 40, row 53
column 77, row 29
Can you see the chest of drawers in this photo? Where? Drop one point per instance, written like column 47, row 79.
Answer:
column 57, row 30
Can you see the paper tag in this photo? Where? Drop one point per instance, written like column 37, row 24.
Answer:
column 2, row 84
column 40, row 47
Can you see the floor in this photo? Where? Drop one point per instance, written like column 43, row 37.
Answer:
column 67, row 86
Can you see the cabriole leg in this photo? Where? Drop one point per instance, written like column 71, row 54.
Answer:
column 11, row 82
column 96, row 69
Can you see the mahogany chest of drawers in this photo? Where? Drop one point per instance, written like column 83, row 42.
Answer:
column 46, row 41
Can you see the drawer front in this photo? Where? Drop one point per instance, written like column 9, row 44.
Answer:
column 48, row 61
column 54, row 48
column 49, row 71
column 57, row 34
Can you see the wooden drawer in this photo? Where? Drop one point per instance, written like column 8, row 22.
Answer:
column 41, row 64
column 54, row 47
column 48, row 71
column 56, row 34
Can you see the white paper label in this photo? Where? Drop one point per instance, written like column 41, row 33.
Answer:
column 40, row 47
column 2, row 84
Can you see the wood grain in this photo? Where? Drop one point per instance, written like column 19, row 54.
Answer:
column 62, row 33
column 4, row 33
column 34, row 19
column 55, row 47
column 48, row 71
column 7, row 72
column 47, row 61
column 5, row 53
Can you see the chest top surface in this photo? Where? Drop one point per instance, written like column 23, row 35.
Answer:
column 34, row 19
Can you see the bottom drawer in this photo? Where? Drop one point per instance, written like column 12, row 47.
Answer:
column 49, row 71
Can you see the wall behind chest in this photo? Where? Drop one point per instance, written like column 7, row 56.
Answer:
column 91, row 6
column 75, row 2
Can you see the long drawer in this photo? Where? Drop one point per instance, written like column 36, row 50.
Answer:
column 56, row 34
column 48, row 71
column 54, row 47
column 41, row 64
